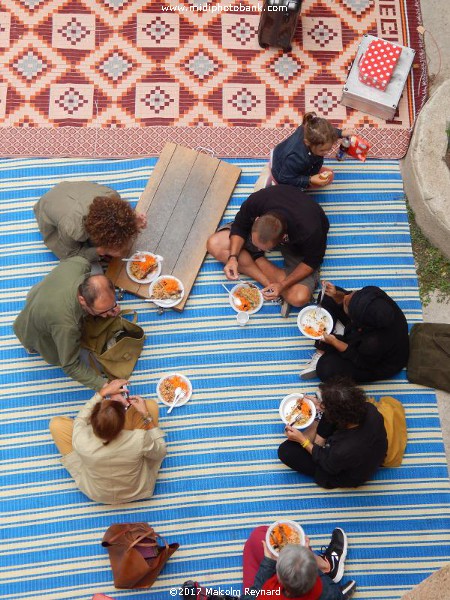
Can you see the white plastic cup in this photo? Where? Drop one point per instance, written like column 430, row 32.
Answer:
column 242, row 318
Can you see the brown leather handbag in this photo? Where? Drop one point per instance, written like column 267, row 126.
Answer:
column 136, row 556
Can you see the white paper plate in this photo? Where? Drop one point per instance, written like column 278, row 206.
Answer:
column 167, row 303
column 293, row 524
column 287, row 404
column 151, row 276
column 236, row 308
column 307, row 316
column 183, row 400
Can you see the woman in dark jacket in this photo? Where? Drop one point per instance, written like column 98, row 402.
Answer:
column 374, row 344
column 350, row 442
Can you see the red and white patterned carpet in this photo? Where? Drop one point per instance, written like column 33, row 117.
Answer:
column 115, row 78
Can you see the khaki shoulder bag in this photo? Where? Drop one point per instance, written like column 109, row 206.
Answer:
column 429, row 355
column 115, row 342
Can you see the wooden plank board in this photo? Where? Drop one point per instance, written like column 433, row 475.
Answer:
column 184, row 200
column 186, row 210
column 162, row 189
column 206, row 222
column 116, row 269
column 167, row 196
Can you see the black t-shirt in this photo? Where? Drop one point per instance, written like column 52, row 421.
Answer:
column 351, row 456
column 307, row 224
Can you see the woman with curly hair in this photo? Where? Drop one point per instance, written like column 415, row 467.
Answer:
column 82, row 218
column 348, row 444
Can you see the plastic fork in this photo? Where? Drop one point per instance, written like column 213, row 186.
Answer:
column 319, row 304
column 236, row 301
column 179, row 395
column 132, row 259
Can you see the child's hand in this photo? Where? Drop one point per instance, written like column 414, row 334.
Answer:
column 294, row 434
column 139, row 404
column 318, row 180
column 330, row 289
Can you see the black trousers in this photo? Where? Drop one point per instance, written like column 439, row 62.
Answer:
column 297, row 458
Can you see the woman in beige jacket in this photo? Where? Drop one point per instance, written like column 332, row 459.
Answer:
column 114, row 447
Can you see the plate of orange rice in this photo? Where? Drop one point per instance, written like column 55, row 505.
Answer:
column 313, row 321
column 166, row 291
column 145, row 268
column 297, row 409
column 167, row 385
column 282, row 533
column 246, row 297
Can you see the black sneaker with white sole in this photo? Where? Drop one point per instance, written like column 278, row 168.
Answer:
column 348, row 589
column 191, row 590
column 336, row 553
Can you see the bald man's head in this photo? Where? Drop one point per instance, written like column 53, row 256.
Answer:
column 97, row 296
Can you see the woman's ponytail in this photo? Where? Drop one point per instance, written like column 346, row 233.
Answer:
column 317, row 130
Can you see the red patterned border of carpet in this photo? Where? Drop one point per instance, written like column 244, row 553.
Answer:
column 120, row 80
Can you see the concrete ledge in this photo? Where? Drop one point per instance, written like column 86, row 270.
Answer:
column 426, row 177
column 435, row 587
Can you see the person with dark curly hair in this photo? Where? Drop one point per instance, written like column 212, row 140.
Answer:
column 346, row 446
column 82, row 218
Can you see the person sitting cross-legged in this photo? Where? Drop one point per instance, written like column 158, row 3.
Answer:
column 114, row 447
column 348, row 444
column 279, row 217
column 296, row 574
column 372, row 343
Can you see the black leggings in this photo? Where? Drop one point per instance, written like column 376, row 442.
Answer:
column 297, row 458
column 331, row 364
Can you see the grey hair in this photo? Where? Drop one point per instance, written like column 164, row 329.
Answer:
column 90, row 290
column 296, row 569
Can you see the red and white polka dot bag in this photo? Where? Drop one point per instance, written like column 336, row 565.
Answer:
column 378, row 63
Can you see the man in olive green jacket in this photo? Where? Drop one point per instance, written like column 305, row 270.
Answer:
column 51, row 321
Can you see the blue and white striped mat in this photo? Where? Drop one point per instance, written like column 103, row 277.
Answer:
column 221, row 476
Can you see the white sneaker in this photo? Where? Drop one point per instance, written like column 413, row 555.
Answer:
column 309, row 372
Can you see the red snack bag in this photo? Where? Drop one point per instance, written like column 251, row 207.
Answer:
column 378, row 63
column 101, row 597
column 358, row 148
